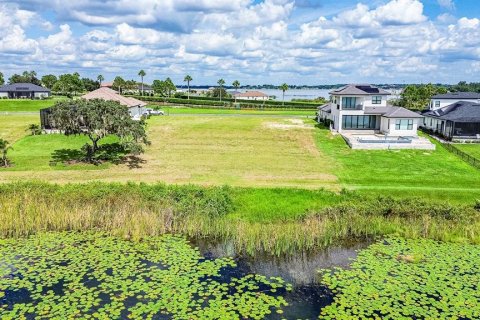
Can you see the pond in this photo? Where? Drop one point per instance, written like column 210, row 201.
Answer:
column 96, row 276
column 308, row 295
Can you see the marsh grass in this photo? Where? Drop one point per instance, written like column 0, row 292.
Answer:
column 134, row 211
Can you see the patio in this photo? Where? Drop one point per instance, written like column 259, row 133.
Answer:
column 384, row 142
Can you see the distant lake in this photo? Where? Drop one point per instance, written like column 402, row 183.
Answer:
column 291, row 94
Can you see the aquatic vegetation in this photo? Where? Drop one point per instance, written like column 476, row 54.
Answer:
column 96, row 276
column 407, row 279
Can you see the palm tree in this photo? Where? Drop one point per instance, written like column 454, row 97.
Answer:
column 236, row 85
column 4, row 147
column 142, row 74
column 221, row 83
column 283, row 87
column 34, row 129
column 187, row 79
column 100, row 78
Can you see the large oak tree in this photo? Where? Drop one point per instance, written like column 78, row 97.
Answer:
column 98, row 119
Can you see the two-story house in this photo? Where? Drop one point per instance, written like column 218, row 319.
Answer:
column 454, row 115
column 363, row 109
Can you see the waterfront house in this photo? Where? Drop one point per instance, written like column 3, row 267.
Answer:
column 364, row 108
column 360, row 113
column 24, row 91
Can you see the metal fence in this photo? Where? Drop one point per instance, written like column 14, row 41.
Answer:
column 465, row 156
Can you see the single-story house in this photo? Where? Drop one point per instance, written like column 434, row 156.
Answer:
column 24, row 91
column 251, row 95
column 136, row 107
column 457, row 121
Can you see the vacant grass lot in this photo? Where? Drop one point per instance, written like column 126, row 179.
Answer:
column 14, row 127
column 472, row 149
column 18, row 105
column 255, row 152
column 241, row 151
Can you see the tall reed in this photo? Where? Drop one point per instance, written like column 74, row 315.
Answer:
column 134, row 211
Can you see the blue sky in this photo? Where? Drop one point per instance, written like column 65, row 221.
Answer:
column 254, row 41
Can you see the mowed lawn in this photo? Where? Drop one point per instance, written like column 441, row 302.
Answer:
column 472, row 149
column 19, row 105
column 267, row 112
column 14, row 127
column 216, row 150
column 254, row 152
column 435, row 174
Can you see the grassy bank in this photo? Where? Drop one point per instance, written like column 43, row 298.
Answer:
column 20, row 105
column 472, row 149
column 248, row 217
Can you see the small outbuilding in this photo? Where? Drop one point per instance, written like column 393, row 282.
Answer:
column 24, row 91
column 251, row 95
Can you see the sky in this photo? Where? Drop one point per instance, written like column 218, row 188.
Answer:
column 307, row 42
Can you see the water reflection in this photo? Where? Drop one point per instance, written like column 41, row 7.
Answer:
column 309, row 296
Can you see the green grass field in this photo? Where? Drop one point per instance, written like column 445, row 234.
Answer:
column 25, row 105
column 472, row 149
column 253, row 152
column 14, row 127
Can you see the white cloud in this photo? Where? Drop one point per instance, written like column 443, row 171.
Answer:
column 448, row 4
column 258, row 41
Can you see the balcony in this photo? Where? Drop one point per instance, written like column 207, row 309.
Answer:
column 355, row 107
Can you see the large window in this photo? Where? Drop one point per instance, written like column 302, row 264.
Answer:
column 349, row 102
column 377, row 100
column 404, row 124
column 359, row 122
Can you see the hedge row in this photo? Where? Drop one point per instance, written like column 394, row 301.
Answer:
column 230, row 104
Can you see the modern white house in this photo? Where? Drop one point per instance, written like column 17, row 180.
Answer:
column 442, row 100
column 24, row 91
column 251, row 95
column 360, row 113
column 455, row 116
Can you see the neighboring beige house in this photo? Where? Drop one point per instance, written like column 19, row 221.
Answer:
column 136, row 107
column 251, row 95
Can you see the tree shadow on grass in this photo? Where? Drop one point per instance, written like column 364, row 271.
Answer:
column 113, row 152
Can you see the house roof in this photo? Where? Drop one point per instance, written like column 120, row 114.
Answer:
column 251, row 94
column 392, row 112
column 462, row 111
column 23, row 87
column 326, row 108
column 359, row 90
column 106, row 85
column 111, row 95
column 458, row 95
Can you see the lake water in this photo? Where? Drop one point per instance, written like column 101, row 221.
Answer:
column 307, row 93
column 308, row 296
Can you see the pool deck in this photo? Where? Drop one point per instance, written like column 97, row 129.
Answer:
column 380, row 142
